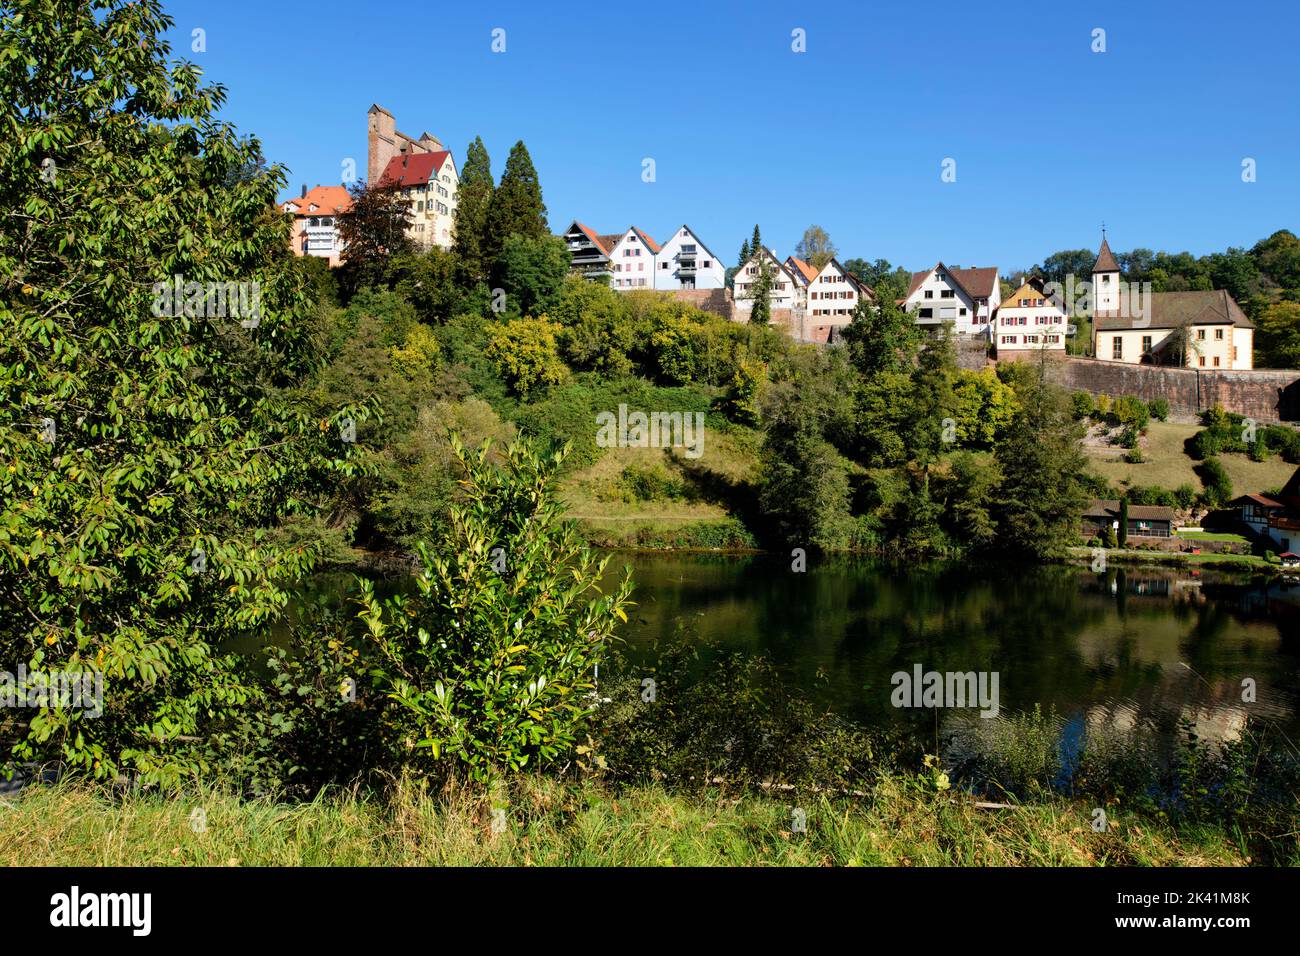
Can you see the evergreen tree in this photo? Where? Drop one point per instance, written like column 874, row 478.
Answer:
column 473, row 200
column 756, row 243
column 516, row 208
column 1122, row 535
column 744, row 254
column 1041, row 495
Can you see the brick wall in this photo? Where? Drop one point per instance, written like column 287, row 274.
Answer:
column 717, row 301
column 1264, row 395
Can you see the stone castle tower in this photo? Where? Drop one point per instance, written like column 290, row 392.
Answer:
column 384, row 141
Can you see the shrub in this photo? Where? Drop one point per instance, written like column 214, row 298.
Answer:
column 488, row 666
column 1218, row 486
column 1160, row 409
column 526, row 354
column 1082, row 404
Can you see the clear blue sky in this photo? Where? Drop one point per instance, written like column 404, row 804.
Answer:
column 1049, row 138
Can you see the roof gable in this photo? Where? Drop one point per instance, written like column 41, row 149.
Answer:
column 1105, row 259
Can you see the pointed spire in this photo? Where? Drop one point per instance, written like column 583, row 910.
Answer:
column 1105, row 258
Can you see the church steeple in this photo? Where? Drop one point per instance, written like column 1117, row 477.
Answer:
column 1105, row 279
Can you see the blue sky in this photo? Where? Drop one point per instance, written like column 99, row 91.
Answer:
column 1049, row 138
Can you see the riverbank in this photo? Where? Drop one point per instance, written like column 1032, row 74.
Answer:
column 549, row 823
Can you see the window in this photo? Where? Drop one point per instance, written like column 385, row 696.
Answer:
column 1216, row 361
column 706, row 263
column 1200, row 335
column 1146, row 344
column 663, row 265
column 1117, row 348
column 947, row 294
column 961, row 311
column 927, row 313
column 1202, row 360
column 1218, row 334
column 929, row 293
column 1234, row 353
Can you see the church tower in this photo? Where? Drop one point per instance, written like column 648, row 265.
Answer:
column 1105, row 281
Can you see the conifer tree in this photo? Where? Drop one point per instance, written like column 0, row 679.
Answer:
column 516, row 208
column 473, row 200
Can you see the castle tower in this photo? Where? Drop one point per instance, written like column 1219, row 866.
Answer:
column 1105, row 281
column 381, row 141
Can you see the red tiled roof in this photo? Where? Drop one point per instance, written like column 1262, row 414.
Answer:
column 328, row 200
column 1264, row 500
column 808, row 271
column 416, row 169
column 602, row 242
column 645, row 237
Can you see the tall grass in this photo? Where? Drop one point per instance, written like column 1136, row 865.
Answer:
column 551, row 823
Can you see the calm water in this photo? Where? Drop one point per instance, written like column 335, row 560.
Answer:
column 1129, row 647
column 1111, row 649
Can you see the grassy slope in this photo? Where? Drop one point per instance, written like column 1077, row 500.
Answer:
column 1167, row 466
column 727, row 462
column 554, row 824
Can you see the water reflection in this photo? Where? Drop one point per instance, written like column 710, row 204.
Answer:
column 1115, row 649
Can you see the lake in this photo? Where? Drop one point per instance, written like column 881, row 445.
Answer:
column 1116, row 649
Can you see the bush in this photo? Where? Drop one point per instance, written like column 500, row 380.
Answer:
column 1160, row 409
column 488, row 667
column 1082, row 405
column 1218, row 486
column 526, row 354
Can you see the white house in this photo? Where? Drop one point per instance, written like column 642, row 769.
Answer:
column 684, row 262
column 1029, row 322
column 632, row 261
column 786, row 292
column 966, row 298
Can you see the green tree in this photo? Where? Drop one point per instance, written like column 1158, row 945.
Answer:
column 148, row 451
column 1121, row 536
column 815, row 247
column 373, row 231
column 489, row 667
column 1041, row 495
column 473, row 200
column 1278, row 336
column 881, row 337
column 531, row 270
column 516, row 208
column 526, row 354
column 744, row 254
column 755, row 242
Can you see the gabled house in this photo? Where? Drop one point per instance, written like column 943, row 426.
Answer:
column 833, row 294
column 1275, row 518
column 428, row 181
column 589, row 251
column 684, row 262
column 1144, row 521
column 1205, row 329
column 1028, row 322
column 316, row 221
column 632, row 261
column 966, row 298
column 787, row 292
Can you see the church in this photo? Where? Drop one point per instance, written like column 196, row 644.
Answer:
column 1204, row 329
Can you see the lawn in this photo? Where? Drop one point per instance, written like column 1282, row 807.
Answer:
column 1167, row 465
column 1211, row 536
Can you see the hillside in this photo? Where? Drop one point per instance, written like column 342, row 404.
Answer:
column 1167, row 465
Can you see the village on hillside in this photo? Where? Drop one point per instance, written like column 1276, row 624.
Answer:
column 1183, row 351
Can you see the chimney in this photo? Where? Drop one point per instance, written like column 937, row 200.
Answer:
column 304, row 191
